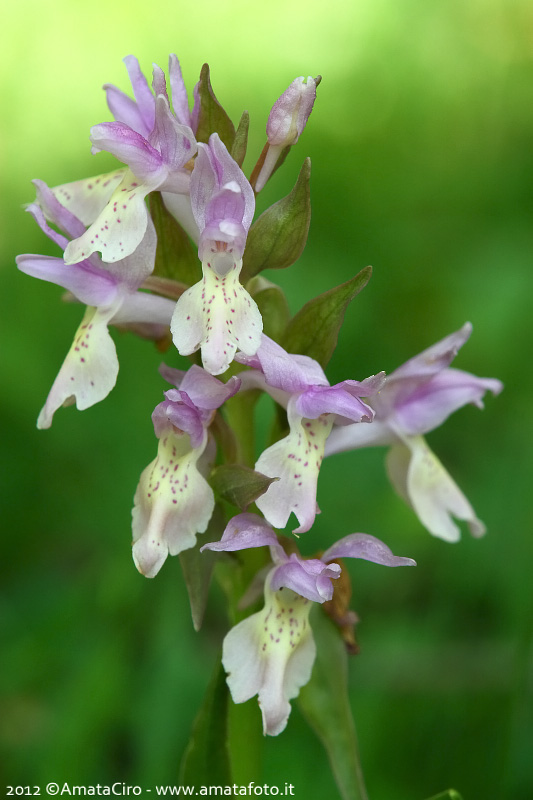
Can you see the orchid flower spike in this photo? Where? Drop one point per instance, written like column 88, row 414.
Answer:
column 217, row 315
column 271, row 653
column 417, row 398
column 287, row 119
column 299, row 384
column 155, row 145
column 90, row 369
column 173, row 501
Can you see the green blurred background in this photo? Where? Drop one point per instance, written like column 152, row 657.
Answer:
column 421, row 142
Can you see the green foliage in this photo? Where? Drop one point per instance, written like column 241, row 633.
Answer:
column 315, row 328
column 325, row 704
column 451, row 794
column 198, row 568
column 239, row 485
column 238, row 411
column 175, row 257
column 277, row 238
column 227, row 444
column 206, row 759
column 272, row 304
column 212, row 116
column 240, row 143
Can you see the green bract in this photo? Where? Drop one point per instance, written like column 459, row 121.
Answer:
column 277, row 239
column 212, row 117
column 272, row 304
column 239, row 485
column 175, row 256
column 315, row 328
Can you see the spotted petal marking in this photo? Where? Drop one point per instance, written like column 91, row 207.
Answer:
column 89, row 371
column 296, row 461
column 86, row 198
column 173, row 503
column 271, row 654
column 120, row 226
column 218, row 316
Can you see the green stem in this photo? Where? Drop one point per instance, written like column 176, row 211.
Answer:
column 325, row 704
column 239, row 411
column 245, row 733
column 245, row 741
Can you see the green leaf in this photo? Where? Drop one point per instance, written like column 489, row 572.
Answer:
column 277, row 238
column 212, row 117
column 206, row 759
column 239, row 485
column 451, row 794
column 239, row 413
column 198, row 568
column 325, row 704
column 272, row 304
column 225, row 438
column 315, row 328
column 175, row 256
column 238, row 150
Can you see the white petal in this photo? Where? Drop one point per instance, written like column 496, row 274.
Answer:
column 86, row 198
column 173, row 503
column 296, row 461
column 187, row 325
column 218, row 316
column 271, row 654
column 433, row 494
column 89, row 371
column 120, row 226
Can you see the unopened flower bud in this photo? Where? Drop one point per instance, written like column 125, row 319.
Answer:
column 290, row 112
column 286, row 121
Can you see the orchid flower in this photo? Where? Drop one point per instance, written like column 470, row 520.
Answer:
column 286, row 121
column 299, row 384
column 90, row 369
column 418, row 397
column 217, row 315
column 271, row 653
column 139, row 113
column 173, row 501
column 155, row 145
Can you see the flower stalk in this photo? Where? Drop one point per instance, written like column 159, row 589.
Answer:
column 183, row 270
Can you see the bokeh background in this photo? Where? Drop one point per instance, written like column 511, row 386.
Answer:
column 421, row 142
